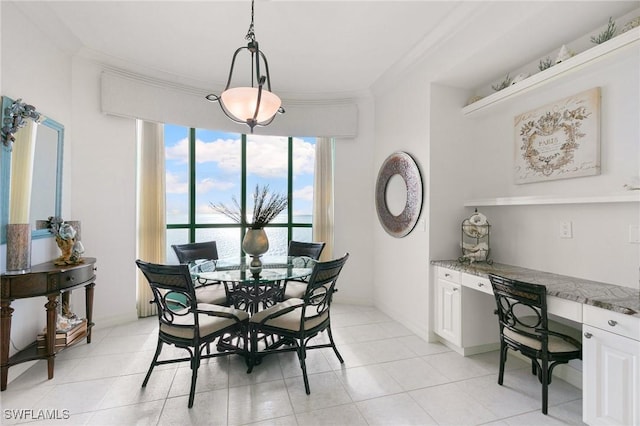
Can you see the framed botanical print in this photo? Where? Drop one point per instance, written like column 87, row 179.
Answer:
column 560, row 140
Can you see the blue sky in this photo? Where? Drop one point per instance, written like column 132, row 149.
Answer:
column 218, row 169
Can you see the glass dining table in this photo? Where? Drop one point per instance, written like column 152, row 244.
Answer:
column 249, row 288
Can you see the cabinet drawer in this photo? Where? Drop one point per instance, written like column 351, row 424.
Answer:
column 614, row 322
column 477, row 283
column 70, row 278
column 449, row 274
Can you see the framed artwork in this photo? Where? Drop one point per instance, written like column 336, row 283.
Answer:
column 560, row 140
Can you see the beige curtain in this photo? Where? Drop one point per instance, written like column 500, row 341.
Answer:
column 22, row 173
column 151, row 206
column 323, row 196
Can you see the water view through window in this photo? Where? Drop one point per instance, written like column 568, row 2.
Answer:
column 207, row 166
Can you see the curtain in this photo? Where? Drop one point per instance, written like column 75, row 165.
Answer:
column 323, row 196
column 151, row 206
column 22, row 173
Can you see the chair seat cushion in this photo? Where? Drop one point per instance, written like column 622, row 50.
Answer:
column 291, row 320
column 556, row 344
column 294, row 290
column 209, row 324
column 214, row 294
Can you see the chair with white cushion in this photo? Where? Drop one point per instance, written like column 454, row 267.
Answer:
column 524, row 327
column 297, row 321
column 186, row 323
column 296, row 287
column 207, row 291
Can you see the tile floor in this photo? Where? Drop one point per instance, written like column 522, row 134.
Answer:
column 390, row 377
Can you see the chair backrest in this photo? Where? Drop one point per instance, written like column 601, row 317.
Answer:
column 321, row 286
column 196, row 251
column 312, row 250
column 522, row 307
column 173, row 293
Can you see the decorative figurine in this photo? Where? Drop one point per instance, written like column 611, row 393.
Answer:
column 475, row 239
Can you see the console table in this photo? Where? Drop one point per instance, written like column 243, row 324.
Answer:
column 50, row 281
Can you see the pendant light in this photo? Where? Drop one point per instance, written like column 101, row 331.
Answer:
column 255, row 105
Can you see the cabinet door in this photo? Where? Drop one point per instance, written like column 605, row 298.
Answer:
column 448, row 312
column 611, row 381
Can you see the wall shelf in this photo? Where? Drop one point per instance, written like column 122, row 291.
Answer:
column 631, row 197
column 598, row 52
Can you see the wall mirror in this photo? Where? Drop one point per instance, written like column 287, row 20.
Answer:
column 399, row 194
column 44, row 169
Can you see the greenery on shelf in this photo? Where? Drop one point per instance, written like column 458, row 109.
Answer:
column 606, row 34
column 266, row 207
column 545, row 63
column 503, row 84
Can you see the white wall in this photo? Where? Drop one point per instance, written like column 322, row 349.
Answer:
column 35, row 70
column 401, row 265
column 528, row 236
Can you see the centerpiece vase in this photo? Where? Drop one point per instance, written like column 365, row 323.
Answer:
column 255, row 243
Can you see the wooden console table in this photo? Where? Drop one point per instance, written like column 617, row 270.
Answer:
column 50, row 281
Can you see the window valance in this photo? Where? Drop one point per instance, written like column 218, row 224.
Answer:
column 136, row 96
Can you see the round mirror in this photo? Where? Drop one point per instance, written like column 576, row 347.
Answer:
column 396, row 195
column 399, row 194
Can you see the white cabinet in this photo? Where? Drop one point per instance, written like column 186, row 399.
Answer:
column 611, row 368
column 464, row 317
column 448, row 308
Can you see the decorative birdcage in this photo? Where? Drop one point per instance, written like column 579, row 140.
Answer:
column 475, row 239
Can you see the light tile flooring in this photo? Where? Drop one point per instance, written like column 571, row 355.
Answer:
column 390, row 377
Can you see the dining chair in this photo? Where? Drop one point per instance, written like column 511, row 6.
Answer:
column 296, row 288
column 207, row 291
column 525, row 328
column 297, row 321
column 189, row 325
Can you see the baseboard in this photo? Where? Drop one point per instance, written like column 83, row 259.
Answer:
column 104, row 322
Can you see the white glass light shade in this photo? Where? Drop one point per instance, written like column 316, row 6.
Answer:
column 241, row 103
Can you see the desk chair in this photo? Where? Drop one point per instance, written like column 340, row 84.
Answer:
column 207, row 291
column 524, row 327
column 296, row 288
column 189, row 325
column 297, row 321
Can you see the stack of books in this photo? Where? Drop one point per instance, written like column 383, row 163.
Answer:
column 64, row 338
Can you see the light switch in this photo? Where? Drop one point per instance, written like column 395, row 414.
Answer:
column 566, row 230
column 634, row 234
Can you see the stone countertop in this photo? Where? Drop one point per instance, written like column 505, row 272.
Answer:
column 612, row 297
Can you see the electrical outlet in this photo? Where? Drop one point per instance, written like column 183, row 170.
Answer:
column 566, row 230
column 634, row 234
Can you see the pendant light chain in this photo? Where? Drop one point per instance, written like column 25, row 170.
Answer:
column 251, row 35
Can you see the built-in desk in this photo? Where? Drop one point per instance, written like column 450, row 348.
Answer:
column 608, row 316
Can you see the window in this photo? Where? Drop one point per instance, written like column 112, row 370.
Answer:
column 208, row 166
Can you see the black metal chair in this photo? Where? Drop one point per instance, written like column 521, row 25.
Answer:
column 212, row 292
column 296, row 288
column 186, row 323
column 297, row 321
column 524, row 327
column 191, row 252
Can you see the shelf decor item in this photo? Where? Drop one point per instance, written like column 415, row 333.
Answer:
column 560, row 140
column 606, row 34
column 68, row 241
column 475, row 239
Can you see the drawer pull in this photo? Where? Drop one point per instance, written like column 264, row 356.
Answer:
column 612, row 323
column 70, row 278
column 447, row 275
column 480, row 284
column 588, row 335
column 455, row 289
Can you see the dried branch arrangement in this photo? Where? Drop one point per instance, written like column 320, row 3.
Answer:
column 266, row 207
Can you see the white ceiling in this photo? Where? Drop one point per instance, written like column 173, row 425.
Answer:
column 318, row 48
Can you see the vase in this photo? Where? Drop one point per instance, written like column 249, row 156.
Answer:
column 255, row 243
column 18, row 247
